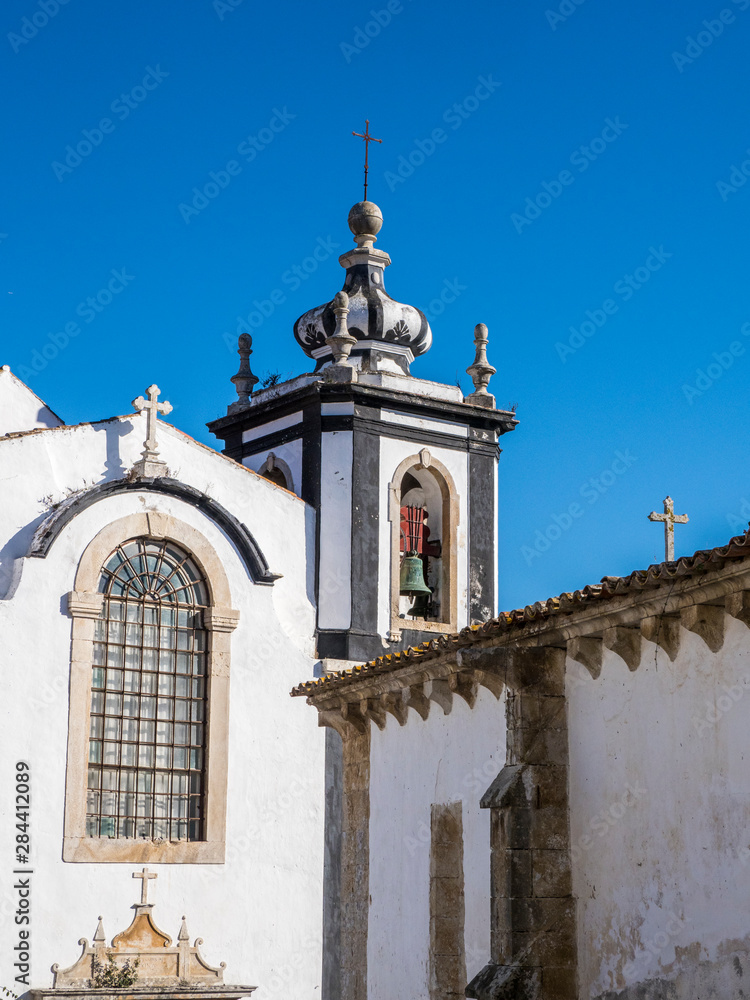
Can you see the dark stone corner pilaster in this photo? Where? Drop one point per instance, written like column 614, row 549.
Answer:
column 533, row 919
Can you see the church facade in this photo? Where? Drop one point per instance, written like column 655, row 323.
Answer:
column 158, row 602
column 546, row 804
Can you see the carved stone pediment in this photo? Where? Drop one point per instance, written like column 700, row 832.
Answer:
column 161, row 967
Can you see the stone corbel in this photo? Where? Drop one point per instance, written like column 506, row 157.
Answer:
column 707, row 621
column 626, row 642
column 738, row 606
column 466, row 686
column 493, row 682
column 346, row 720
column 370, row 708
column 353, row 715
column 439, row 691
column 84, row 605
column 395, row 703
column 587, row 650
column 664, row 630
column 414, row 697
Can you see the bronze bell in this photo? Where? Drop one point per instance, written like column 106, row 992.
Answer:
column 412, row 577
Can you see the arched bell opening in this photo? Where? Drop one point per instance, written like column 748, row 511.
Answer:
column 424, row 516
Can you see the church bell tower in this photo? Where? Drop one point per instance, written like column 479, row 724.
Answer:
column 402, row 472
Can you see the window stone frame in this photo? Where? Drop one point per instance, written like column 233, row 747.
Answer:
column 220, row 620
column 273, row 461
column 449, row 537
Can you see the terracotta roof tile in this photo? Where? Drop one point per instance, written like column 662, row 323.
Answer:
column 566, row 603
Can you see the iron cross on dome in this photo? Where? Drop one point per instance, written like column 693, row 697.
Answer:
column 368, row 139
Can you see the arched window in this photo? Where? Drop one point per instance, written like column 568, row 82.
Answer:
column 423, row 511
column 277, row 471
column 146, row 773
column 148, row 731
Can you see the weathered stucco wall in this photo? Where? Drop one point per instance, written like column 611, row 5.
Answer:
column 443, row 759
column 259, row 912
column 660, row 791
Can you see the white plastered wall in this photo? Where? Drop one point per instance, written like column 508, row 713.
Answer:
column 443, row 759
column 335, row 594
column 660, row 800
column 20, row 408
column 260, row 911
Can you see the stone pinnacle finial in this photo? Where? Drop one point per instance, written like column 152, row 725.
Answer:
column 481, row 371
column 99, row 934
column 244, row 380
column 341, row 341
column 183, row 935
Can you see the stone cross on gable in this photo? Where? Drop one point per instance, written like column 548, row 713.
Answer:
column 670, row 519
column 150, row 464
column 144, row 875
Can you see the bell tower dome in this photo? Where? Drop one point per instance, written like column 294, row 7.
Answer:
column 389, row 335
column 401, row 472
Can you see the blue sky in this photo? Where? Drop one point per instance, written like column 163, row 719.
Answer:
column 581, row 201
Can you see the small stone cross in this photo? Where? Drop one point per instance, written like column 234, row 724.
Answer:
column 144, row 875
column 670, row 519
column 150, row 463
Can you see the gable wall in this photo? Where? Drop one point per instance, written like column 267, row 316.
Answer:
column 272, row 877
column 660, row 798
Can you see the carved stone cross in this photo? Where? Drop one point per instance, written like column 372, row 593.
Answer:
column 150, row 464
column 670, row 519
column 144, row 875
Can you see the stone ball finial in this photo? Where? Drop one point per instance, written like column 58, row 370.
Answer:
column 365, row 221
column 341, row 301
column 244, row 342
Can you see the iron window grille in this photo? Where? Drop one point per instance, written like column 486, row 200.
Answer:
column 146, row 774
